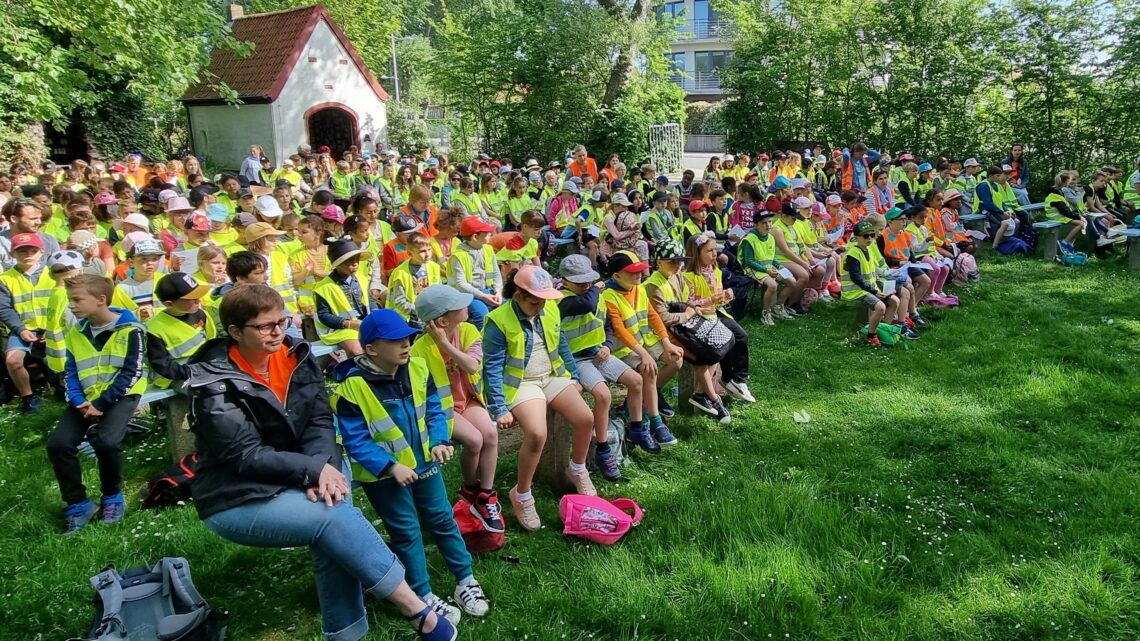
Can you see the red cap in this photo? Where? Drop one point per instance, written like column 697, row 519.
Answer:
column 472, row 225
column 198, row 222
column 697, row 205
column 627, row 261
column 27, row 240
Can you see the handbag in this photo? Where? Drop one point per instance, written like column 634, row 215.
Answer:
column 707, row 339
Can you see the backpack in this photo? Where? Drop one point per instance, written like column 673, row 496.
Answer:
column 888, row 334
column 172, row 485
column 965, row 269
column 156, row 603
column 476, row 538
column 596, row 519
column 1071, row 258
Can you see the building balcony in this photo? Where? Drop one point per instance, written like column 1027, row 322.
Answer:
column 698, row 82
column 695, row 29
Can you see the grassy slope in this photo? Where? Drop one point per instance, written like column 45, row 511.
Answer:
column 980, row 485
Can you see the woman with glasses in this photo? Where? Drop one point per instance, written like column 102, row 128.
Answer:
column 270, row 472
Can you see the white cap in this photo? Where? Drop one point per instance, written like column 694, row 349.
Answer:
column 136, row 219
column 267, row 206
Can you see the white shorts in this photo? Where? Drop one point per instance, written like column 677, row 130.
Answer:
column 634, row 361
column 545, row 389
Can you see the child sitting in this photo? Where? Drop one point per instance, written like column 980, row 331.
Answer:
column 104, row 380
column 178, row 330
column 472, row 268
column 24, row 292
column 412, row 276
column 759, row 261
column 398, row 463
column 587, row 329
column 340, row 304
column 860, row 284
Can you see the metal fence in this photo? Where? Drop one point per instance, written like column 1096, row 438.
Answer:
column 698, row 29
column 698, row 81
column 704, row 143
column 666, row 147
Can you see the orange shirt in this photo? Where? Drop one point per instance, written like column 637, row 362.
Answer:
column 624, row 335
column 281, row 366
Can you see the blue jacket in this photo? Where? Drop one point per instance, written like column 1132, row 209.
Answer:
column 131, row 372
column 495, row 357
column 395, row 393
column 587, row 303
column 1022, row 171
column 857, row 177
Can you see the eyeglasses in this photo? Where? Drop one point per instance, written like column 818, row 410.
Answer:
column 265, row 329
column 868, row 236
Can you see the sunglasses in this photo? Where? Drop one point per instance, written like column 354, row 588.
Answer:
column 868, row 236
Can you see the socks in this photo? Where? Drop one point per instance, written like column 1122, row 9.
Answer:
column 577, row 468
column 602, row 447
column 118, row 498
column 467, row 580
column 523, row 496
column 636, row 426
column 655, row 421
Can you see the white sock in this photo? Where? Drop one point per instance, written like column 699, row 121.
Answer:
column 523, row 496
column 577, row 468
column 468, row 580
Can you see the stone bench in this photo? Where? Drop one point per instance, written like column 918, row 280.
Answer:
column 1133, row 235
column 1050, row 233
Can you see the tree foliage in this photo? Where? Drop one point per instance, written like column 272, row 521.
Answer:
column 939, row 77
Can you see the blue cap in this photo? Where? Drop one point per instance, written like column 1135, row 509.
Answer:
column 218, row 213
column 433, row 161
column 662, row 180
column 781, row 182
column 384, row 325
column 925, row 167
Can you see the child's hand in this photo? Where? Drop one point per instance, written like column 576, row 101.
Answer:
column 602, row 355
column 505, row 421
column 404, row 475
column 442, row 453
column 28, row 335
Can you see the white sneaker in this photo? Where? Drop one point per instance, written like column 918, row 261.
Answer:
column 766, row 317
column 1104, row 240
column 582, row 482
column 825, row 296
column 781, row 312
column 739, row 391
column 471, row 599
column 443, row 608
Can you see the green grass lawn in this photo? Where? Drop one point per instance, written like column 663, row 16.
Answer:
column 982, row 484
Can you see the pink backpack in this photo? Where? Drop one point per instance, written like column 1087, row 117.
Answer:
column 596, row 519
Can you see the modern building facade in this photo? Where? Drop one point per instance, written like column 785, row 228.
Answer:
column 700, row 48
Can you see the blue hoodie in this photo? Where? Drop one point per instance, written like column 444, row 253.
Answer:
column 130, row 374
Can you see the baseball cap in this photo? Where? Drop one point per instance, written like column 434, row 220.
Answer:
column 697, row 205
column 178, row 203
column 257, row 231
column 802, row 202
column 218, row 213
column 333, row 213
column 599, row 196
column 136, row 219
column 106, row 198
column 662, row 180
column 864, row 227
column 571, row 187
column 243, row 219
column 660, row 196
column 177, row 285
column 906, row 156
column 165, row 195
column 620, row 199
column 1007, row 168
column 436, row 300
column 763, row 214
column 245, row 192
column 282, row 182
column 472, row 225
column 670, row 250
column 893, row 213
column 198, row 222
column 147, row 247
column 267, row 206
column 149, row 196
column 82, row 239
column 925, row 167
column 64, row 261
column 576, row 268
column 537, row 282
column 834, row 200
column 822, row 160
column 405, row 225
column 781, row 182
column 799, row 183
column 385, row 325
column 626, row 261
column 27, row 239
column 971, row 162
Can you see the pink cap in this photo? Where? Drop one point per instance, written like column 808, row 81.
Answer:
column 834, row 200
column 803, row 202
column 333, row 213
column 537, row 281
column 105, row 198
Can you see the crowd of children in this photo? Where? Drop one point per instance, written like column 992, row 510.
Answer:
column 430, row 280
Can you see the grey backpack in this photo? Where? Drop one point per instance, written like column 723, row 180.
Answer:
column 156, row 603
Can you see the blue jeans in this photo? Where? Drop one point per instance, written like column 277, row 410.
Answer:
column 1022, row 195
column 402, row 508
column 477, row 310
column 349, row 557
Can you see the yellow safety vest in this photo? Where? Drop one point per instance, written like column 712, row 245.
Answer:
column 389, row 436
column 98, row 368
column 668, row 294
column 461, row 259
column 849, row 290
column 339, row 305
column 281, row 280
column 701, row 289
column 425, row 348
column 30, row 301
column 1052, row 213
column 56, row 321
column 919, row 236
column 342, row 184
column 585, row 330
column 514, row 368
column 763, row 250
column 790, row 237
column 472, row 204
column 674, row 230
column 401, row 280
column 1131, row 195
column 634, row 318
column 181, row 340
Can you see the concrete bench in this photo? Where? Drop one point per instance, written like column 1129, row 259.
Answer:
column 1133, row 235
column 1050, row 233
column 178, row 409
column 976, row 222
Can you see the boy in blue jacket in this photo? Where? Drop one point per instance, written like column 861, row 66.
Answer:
column 103, row 377
column 394, row 429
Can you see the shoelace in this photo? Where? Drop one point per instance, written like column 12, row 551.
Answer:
column 472, row 593
column 494, row 510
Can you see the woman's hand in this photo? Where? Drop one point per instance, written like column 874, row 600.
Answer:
column 332, row 487
column 442, row 453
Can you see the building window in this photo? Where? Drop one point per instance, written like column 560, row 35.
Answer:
column 706, row 21
column 710, row 61
column 670, row 11
column 676, row 63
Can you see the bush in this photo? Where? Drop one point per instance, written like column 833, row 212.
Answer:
column 703, row 118
column 407, row 130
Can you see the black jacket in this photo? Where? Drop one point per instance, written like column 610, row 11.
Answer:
column 249, row 446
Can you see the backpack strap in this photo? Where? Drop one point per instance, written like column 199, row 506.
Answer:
column 176, row 576
column 108, row 585
column 629, row 505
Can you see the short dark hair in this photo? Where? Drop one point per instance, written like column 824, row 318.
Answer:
column 994, row 170
column 243, row 303
column 533, row 218
column 323, row 198
column 242, row 264
column 93, row 284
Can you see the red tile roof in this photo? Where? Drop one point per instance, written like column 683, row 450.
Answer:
column 279, row 39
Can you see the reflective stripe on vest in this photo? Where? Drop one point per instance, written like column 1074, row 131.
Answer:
column 763, row 251
column 384, row 431
column 635, row 318
column 181, row 340
column 30, row 301
column 338, row 304
column 426, row 348
column 849, row 290
column 463, row 258
column 702, row 289
column 401, row 280
column 514, row 368
column 790, row 236
column 281, row 280
column 664, row 285
column 585, row 330
column 97, row 369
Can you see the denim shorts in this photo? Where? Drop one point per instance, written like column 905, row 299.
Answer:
column 17, row 344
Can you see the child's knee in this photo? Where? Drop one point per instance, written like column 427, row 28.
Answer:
column 633, row 384
column 880, row 308
column 601, row 394
column 14, row 358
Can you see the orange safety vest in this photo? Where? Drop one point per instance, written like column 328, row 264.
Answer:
column 955, row 235
column 880, row 206
column 895, row 246
column 591, row 168
column 430, row 228
column 848, row 176
column 937, row 229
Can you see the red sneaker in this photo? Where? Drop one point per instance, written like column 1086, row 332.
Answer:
column 487, row 509
column 469, row 493
column 909, row 322
column 874, row 341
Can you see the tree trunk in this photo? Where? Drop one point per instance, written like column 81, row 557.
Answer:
column 623, row 68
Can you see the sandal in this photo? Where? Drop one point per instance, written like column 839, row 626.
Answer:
column 443, row 630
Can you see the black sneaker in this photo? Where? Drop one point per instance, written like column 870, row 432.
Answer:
column 702, row 402
column 722, row 416
column 30, row 404
column 663, row 406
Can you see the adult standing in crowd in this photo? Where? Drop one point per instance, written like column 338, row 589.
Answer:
column 251, row 166
column 1019, row 177
column 269, row 473
column 583, row 165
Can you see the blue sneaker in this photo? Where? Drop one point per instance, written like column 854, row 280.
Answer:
column 642, row 439
column 663, row 406
column 1066, row 247
column 77, row 515
column 444, row 630
column 113, row 508
column 663, row 436
column 604, row 459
